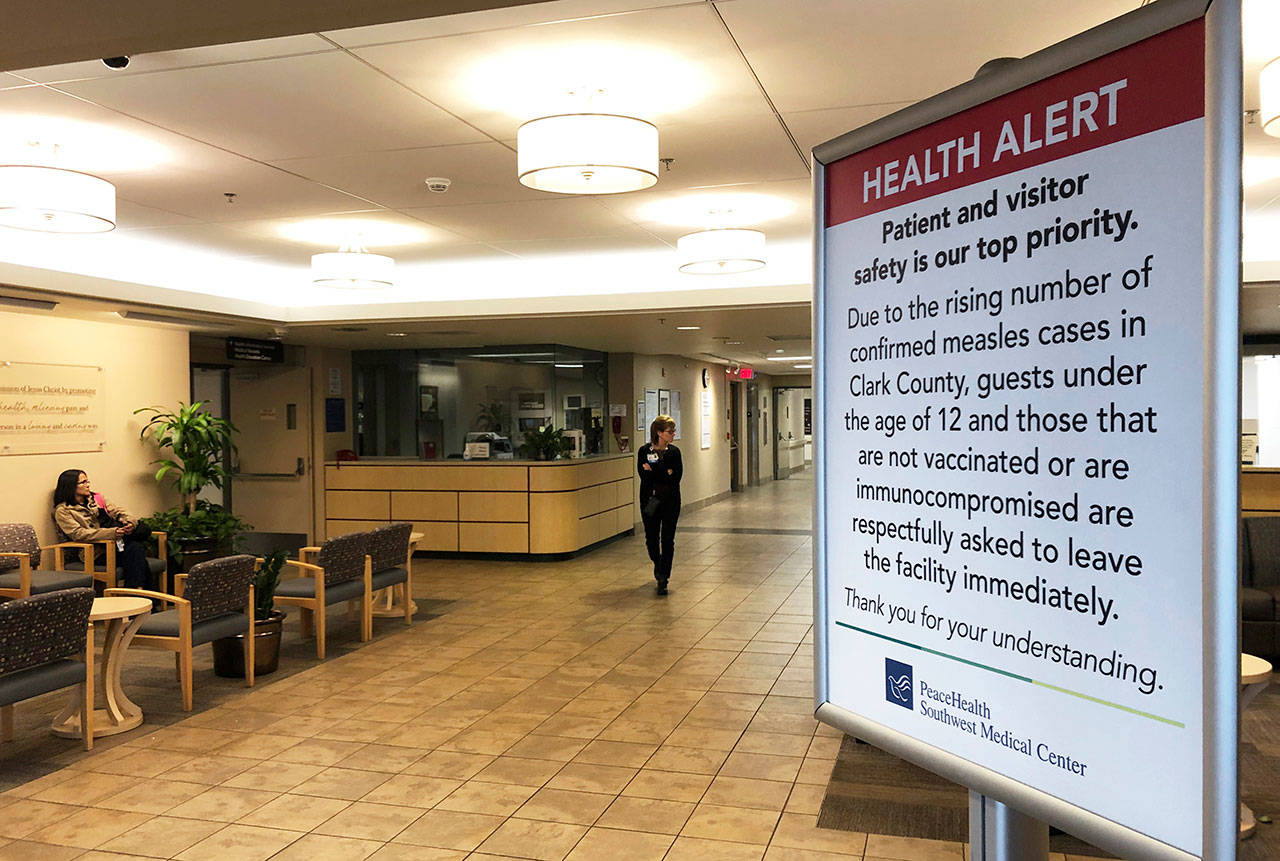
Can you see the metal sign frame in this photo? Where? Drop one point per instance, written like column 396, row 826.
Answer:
column 1221, row 338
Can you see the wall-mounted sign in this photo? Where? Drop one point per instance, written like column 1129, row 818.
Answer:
column 1027, row 304
column 48, row 409
column 254, row 350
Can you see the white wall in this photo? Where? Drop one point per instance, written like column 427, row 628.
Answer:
column 143, row 365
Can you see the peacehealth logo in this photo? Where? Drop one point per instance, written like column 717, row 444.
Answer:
column 899, row 688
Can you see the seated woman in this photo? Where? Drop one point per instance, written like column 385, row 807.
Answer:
column 82, row 515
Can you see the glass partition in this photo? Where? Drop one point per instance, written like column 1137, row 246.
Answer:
column 429, row 404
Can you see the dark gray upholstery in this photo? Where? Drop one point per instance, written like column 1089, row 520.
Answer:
column 43, row 628
column 389, row 546
column 18, row 538
column 37, row 637
column 342, row 559
column 1260, row 586
column 305, row 587
column 168, row 624
column 219, row 586
column 156, row 567
column 388, row 577
column 34, row 681
column 47, row 581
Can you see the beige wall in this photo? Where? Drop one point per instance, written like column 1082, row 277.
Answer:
column 325, row 445
column 706, row 472
column 143, row 365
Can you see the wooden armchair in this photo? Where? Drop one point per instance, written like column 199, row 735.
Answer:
column 20, row 572
column 339, row 573
column 45, row 645
column 391, row 561
column 103, row 567
column 213, row 600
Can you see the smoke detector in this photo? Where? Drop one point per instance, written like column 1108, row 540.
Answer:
column 438, row 184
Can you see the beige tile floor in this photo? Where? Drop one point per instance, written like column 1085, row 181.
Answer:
column 555, row 710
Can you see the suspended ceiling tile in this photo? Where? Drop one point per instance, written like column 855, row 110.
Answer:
column 752, row 149
column 481, row 173
column 225, row 239
column 811, row 128
column 133, row 216
column 260, row 192
column 663, row 65
column 294, row 107
column 634, row 240
column 841, row 53
column 476, row 252
column 392, row 232
column 490, row 19
column 565, row 218
column 163, row 61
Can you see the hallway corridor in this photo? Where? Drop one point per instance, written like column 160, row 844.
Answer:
column 548, row 710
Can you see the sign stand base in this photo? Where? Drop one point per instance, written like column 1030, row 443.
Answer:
column 997, row 832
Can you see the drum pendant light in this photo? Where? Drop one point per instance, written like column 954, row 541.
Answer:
column 55, row 200
column 587, row 154
column 352, row 267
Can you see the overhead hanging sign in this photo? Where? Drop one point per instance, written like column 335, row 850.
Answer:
column 1018, row 326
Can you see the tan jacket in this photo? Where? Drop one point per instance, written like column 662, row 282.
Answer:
column 80, row 522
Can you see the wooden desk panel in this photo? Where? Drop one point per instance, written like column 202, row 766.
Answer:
column 357, row 505
column 424, row 505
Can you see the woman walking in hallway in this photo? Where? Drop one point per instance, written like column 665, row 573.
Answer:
column 660, row 469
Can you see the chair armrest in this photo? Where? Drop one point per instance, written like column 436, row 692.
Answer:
column 59, row 553
column 305, row 569
column 144, row 593
column 179, row 584
column 305, row 552
column 162, row 544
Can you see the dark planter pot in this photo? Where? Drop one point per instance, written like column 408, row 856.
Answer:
column 228, row 652
column 200, row 549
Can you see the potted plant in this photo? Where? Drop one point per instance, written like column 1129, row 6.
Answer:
column 193, row 444
column 228, row 652
column 546, row 443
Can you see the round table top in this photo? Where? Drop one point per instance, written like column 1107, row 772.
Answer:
column 1253, row 669
column 118, row 607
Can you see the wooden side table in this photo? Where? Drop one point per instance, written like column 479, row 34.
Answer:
column 1255, row 674
column 385, row 599
column 123, row 617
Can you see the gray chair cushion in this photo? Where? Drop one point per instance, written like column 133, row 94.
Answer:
column 389, row 577
column 155, row 566
column 167, row 624
column 305, row 587
column 47, row 581
column 25, row 684
column 1257, row 605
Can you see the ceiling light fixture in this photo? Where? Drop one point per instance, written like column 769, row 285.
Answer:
column 1269, row 88
column 688, row 328
column 804, row 367
column 352, row 267
column 789, row 358
column 52, row 199
column 587, row 154
column 568, row 365
column 721, row 251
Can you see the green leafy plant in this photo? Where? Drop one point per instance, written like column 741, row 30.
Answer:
column 196, row 442
column 494, row 417
column 208, row 520
column 546, row 443
column 265, row 583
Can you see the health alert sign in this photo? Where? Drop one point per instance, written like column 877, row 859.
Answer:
column 1012, row 402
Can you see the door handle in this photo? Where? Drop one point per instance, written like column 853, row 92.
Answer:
column 302, row 467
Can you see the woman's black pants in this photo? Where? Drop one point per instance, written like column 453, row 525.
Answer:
column 660, row 538
column 133, row 559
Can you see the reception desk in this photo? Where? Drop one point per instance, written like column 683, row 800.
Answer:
column 486, row 506
column 1259, row 491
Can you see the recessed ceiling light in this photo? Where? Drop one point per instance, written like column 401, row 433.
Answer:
column 779, row 350
column 568, row 365
column 397, row 334
column 803, row 367
column 733, row 343
column 790, row 358
column 687, row 328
